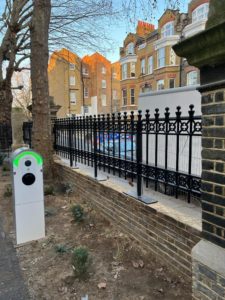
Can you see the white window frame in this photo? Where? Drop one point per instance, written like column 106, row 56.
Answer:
column 114, row 75
column 114, row 94
column 103, row 98
column 132, row 96
column 124, row 97
column 86, row 92
column 72, row 66
column 72, row 80
column 161, row 57
column 103, row 84
column 73, row 99
column 192, row 78
column 150, row 64
column 130, row 49
column 124, row 71
column 103, row 70
column 143, row 67
column 167, row 29
column 197, row 15
column 160, row 84
column 132, row 69
column 85, row 71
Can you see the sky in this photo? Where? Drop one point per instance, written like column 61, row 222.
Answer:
column 118, row 30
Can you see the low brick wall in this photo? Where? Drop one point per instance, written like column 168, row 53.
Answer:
column 169, row 239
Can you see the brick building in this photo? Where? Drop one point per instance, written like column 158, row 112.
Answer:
column 148, row 62
column 90, row 85
column 65, row 86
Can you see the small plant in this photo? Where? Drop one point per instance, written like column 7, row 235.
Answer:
column 61, row 249
column 80, row 262
column 50, row 211
column 48, row 190
column 2, row 157
column 78, row 213
column 8, row 191
column 5, row 168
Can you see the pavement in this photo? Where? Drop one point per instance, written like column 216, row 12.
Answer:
column 12, row 285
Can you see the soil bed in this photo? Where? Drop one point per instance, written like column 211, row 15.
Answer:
column 118, row 261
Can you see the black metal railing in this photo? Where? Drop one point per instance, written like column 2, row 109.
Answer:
column 5, row 139
column 160, row 152
column 27, row 130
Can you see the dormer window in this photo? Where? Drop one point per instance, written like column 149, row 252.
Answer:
column 167, row 29
column 200, row 13
column 130, row 49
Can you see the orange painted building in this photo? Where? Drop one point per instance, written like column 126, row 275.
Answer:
column 96, row 83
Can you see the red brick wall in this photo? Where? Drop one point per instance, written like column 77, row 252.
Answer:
column 166, row 238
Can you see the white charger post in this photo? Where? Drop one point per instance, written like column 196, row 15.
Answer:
column 28, row 192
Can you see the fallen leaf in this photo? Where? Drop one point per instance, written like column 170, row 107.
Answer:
column 141, row 263
column 102, row 285
column 135, row 264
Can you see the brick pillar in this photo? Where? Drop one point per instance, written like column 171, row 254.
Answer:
column 206, row 51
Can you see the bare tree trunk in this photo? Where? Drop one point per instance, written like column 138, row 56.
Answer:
column 41, row 133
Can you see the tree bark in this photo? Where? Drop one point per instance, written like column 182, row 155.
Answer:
column 41, row 132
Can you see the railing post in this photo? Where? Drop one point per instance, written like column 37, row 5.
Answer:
column 95, row 148
column 156, row 146
column 191, row 118
column 178, row 121
column 70, row 142
column 139, row 154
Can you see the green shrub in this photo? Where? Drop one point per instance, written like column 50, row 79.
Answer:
column 5, row 168
column 2, row 157
column 8, row 191
column 48, row 190
column 80, row 262
column 78, row 213
column 61, row 249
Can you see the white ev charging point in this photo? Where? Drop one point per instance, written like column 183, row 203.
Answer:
column 28, row 191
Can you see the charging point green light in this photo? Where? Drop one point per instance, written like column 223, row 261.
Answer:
column 38, row 158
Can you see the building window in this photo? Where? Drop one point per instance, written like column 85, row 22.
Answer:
column 132, row 97
column 72, row 66
column 103, row 100
column 85, row 71
column 114, row 94
column 86, row 92
column 200, row 13
column 73, row 99
column 167, row 29
column 86, row 109
column 143, row 66
column 72, row 80
column 192, row 78
column 124, row 71
column 104, row 84
column 150, row 65
column 160, row 84
column 114, row 75
column 103, row 70
column 124, row 97
column 132, row 69
column 130, row 49
column 172, row 57
column 172, row 83
column 161, row 58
